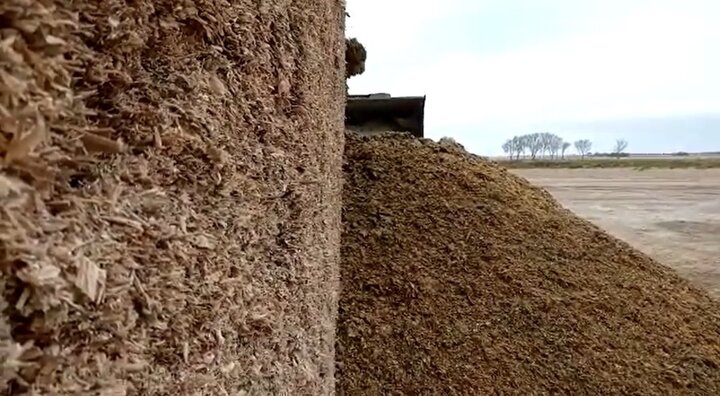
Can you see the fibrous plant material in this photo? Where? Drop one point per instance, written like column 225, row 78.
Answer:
column 169, row 196
column 461, row 278
column 355, row 57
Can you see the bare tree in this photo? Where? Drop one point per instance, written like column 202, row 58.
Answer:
column 583, row 147
column 620, row 146
column 520, row 145
column 545, row 142
column 509, row 148
column 555, row 145
column 534, row 144
column 550, row 144
column 565, row 146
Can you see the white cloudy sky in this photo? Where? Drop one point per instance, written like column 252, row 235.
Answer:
column 644, row 70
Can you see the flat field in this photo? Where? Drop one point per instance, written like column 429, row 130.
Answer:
column 672, row 215
column 637, row 162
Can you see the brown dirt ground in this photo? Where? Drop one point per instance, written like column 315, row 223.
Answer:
column 461, row 278
column 170, row 193
column 672, row 215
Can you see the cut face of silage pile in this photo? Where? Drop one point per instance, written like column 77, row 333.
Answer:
column 461, row 278
column 169, row 196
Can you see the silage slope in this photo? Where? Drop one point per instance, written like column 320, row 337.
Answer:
column 170, row 196
column 461, row 278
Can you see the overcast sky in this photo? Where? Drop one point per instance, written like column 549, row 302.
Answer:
column 644, row 70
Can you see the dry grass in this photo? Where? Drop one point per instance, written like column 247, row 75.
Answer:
column 170, row 193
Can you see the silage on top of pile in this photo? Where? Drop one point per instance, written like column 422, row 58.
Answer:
column 461, row 278
column 168, row 196
column 355, row 57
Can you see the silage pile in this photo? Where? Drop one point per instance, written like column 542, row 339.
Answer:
column 460, row 278
column 355, row 57
column 169, row 196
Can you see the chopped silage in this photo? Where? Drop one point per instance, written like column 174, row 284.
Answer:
column 170, row 194
column 460, row 278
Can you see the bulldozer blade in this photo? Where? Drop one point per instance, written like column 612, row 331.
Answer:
column 375, row 113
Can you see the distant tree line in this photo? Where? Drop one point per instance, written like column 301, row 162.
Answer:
column 547, row 144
